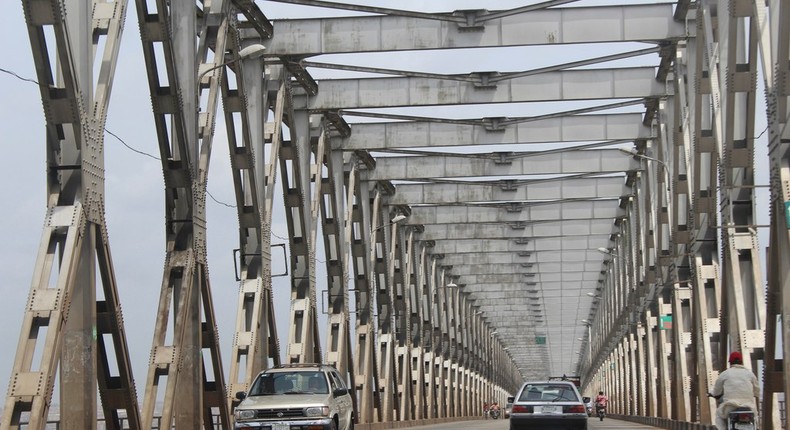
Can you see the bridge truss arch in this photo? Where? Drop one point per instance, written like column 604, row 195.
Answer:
column 494, row 196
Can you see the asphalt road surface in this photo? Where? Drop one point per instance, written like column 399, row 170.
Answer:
column 501, row 424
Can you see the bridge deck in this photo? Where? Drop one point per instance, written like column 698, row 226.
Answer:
column 592, row 424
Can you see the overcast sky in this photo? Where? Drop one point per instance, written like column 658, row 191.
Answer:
column 134, row 194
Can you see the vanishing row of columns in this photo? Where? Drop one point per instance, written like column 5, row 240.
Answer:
column 688, row 284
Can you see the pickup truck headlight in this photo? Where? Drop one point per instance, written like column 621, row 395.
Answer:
column 317, row 411
column 244, row 414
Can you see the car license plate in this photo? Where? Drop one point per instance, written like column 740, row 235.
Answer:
column 549, row 409
column 280, row 427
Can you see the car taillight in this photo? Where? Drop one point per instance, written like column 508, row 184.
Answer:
column 521, row 409
column 575, row 409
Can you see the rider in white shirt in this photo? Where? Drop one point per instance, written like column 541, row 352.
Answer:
column 736, row 387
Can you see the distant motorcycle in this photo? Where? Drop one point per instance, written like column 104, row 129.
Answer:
column 494, row 413
column 601, row 411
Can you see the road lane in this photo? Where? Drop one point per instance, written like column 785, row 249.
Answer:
column 592, row 424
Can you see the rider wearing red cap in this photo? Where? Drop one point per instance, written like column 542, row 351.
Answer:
column 736, row 386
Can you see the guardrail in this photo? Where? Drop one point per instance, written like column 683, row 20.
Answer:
column 156, row 425
column 669, row 424
column 54, row 424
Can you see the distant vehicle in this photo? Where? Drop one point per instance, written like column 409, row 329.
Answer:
column 303, row 396
column 548, row 404
column 576, row 380
column 508, row 406
column 588, row 404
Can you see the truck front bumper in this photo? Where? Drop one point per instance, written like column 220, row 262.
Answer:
column 314, row 424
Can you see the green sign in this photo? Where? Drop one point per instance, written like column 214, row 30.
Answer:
column 787, row 214
column 666, row 322
column 540, row 340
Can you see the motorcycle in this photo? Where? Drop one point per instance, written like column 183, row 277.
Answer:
column 741, row 419
column 494, row 413
column 600, row 411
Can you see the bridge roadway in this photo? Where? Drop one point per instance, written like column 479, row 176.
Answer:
column 592, row 424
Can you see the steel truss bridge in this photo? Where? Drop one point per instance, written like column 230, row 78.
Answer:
column 480, row 222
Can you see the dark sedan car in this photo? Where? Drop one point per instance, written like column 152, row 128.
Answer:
column 548, row 405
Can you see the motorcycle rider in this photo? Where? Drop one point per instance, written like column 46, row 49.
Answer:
column 600, row 402
column 736, row 387
column 494, row 410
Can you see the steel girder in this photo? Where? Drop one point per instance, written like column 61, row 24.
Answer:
column 464, row 247
column 366, row 368
column 300, row 173
column 708, row 159
column 403, row 303
column 255, row 343
column 724, row 129
column 559, row 228
column 403, row 135
column 386, row 260
column 192, row 75
column 64, row 318
column 731, row 58
column 495, row 266
column 515, row 164
column 623, row 299
column 577, row 188
column 516, row 214
column 388, row 270
column 623, row 83
column 336, row 209
column 626, row 23
column 773, row 34
column 695, row 273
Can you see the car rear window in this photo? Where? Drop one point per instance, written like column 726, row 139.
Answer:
column 548, row 392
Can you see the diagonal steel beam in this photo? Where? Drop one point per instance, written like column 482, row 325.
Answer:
column 64, row 318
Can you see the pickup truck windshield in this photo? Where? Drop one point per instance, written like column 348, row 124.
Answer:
column 289, row 383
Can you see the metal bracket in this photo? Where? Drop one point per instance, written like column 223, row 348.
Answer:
column 237, row 252
column 470, row 17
